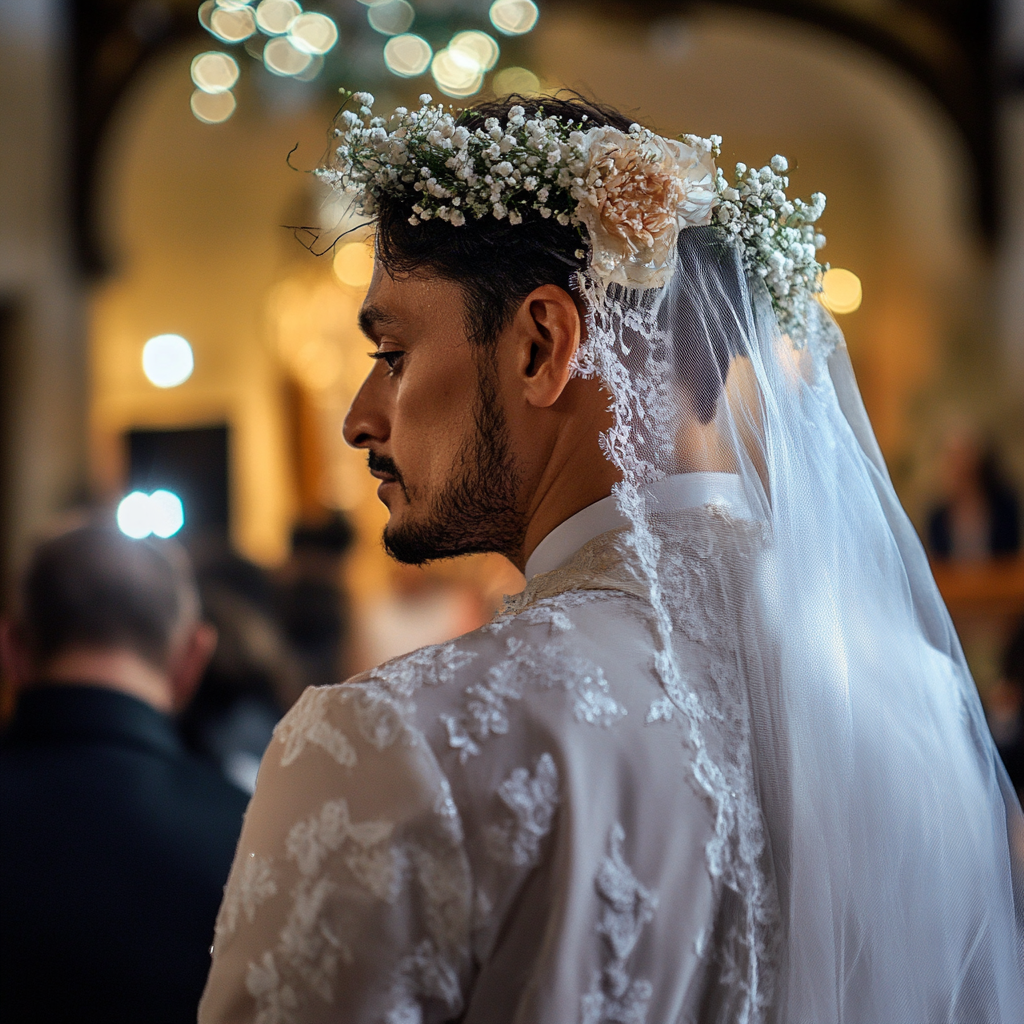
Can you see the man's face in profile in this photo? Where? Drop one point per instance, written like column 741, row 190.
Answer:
column 431, row 415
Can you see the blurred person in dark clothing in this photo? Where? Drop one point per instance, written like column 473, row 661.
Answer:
column 1006, row 710
column 115, row 842
column 249, row 684
column 980, row 516
column 314, row 607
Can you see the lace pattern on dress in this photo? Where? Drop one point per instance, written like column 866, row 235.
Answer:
column 614, row 997
column 307, row 723
column 530, row 801
column 247, row 888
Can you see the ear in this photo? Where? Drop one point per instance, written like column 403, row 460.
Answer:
column 549, row 328
column 188, row 667
column 15, row 662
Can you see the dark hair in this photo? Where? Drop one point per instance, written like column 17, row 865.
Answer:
column 93, row 587
column 496, row 263
column 499, row 264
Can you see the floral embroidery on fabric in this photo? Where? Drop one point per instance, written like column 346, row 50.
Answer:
column 530, row 801
column 614, row 997
column 307, row 723
column 277, row 1003
column 309, row 842
column 425, row 974
column 430, row 666
column 250, row 886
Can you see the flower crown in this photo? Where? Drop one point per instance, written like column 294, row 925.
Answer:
column 628, row 193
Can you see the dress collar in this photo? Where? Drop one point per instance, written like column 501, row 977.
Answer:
column 685, row 490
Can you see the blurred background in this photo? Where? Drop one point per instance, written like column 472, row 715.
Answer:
column 178, row 342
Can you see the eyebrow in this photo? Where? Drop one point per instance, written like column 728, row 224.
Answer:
column 372, row 318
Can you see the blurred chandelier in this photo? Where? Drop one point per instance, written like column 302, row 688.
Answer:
column 292, row 43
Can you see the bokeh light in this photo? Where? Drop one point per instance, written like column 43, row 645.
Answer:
column 392, row 17
column 353, row 264
column 407, row 55
column 514, row 17
column 455, row 74
column 274, row 16
column 283, row 59
column 476, row 46
column 515, row 79
column 167, row 360
column 212, row 108
column 841, row 291
column 141, row 515
column 232, row 25
column 313, row 33
column 214, row 72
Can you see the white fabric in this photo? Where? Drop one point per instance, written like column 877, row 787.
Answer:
column 464, row 830
column 726, row 764
column 682, row 490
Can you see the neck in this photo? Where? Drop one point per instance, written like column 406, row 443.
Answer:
column 119, row 670
column 576, row 474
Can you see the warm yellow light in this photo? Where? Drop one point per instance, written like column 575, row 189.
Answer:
column 455, row 74
column 514, row 17
column 280, row 57
column 274, row 16
column 232, row 24
column 840, row 291
column 392, row 17
column 407, row 55
column 313, row 33
column 353, row 264
column 477, row 46
column 214, row 72
column 519, row 80
column 212, row 108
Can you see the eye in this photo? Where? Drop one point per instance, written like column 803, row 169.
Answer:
column 391, row 357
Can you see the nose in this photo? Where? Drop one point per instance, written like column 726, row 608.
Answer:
column 367, row 421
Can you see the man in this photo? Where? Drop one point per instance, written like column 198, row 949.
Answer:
column 115, row 842
column 721, row 761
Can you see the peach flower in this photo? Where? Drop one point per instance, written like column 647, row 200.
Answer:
column 637, row 192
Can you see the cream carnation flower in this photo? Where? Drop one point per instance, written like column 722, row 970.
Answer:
column 636, row 193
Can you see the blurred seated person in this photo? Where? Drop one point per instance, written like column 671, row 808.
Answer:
column 115, row 842
column 314, row 606
column 248, row 685
column 1006, row 710
column 980, row 516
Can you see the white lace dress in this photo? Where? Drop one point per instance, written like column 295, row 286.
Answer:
column 500, row 828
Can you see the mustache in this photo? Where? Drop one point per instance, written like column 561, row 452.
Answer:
column 384, row 464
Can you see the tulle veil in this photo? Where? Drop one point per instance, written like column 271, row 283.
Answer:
column 865, row 826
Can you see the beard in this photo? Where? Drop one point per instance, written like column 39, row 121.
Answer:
column 477, row 509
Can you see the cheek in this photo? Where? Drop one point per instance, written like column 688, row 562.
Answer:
column 433, row 415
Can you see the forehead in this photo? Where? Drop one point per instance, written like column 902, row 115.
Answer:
column 410, row 301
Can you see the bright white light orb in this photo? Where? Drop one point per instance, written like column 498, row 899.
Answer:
column 166, row 513
column 212, row 108
column 214, row 72
column 133, row 515
column 514, row 79
column 514, row 17
column 455, row 74
column 841, row 291
column 391, row 17
column 160, row 514
column 407, row 55
column 232, row 25
column 274, row 16
column 312, row 33
column 477, row 46
column 280, row 57
column 167, row 360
